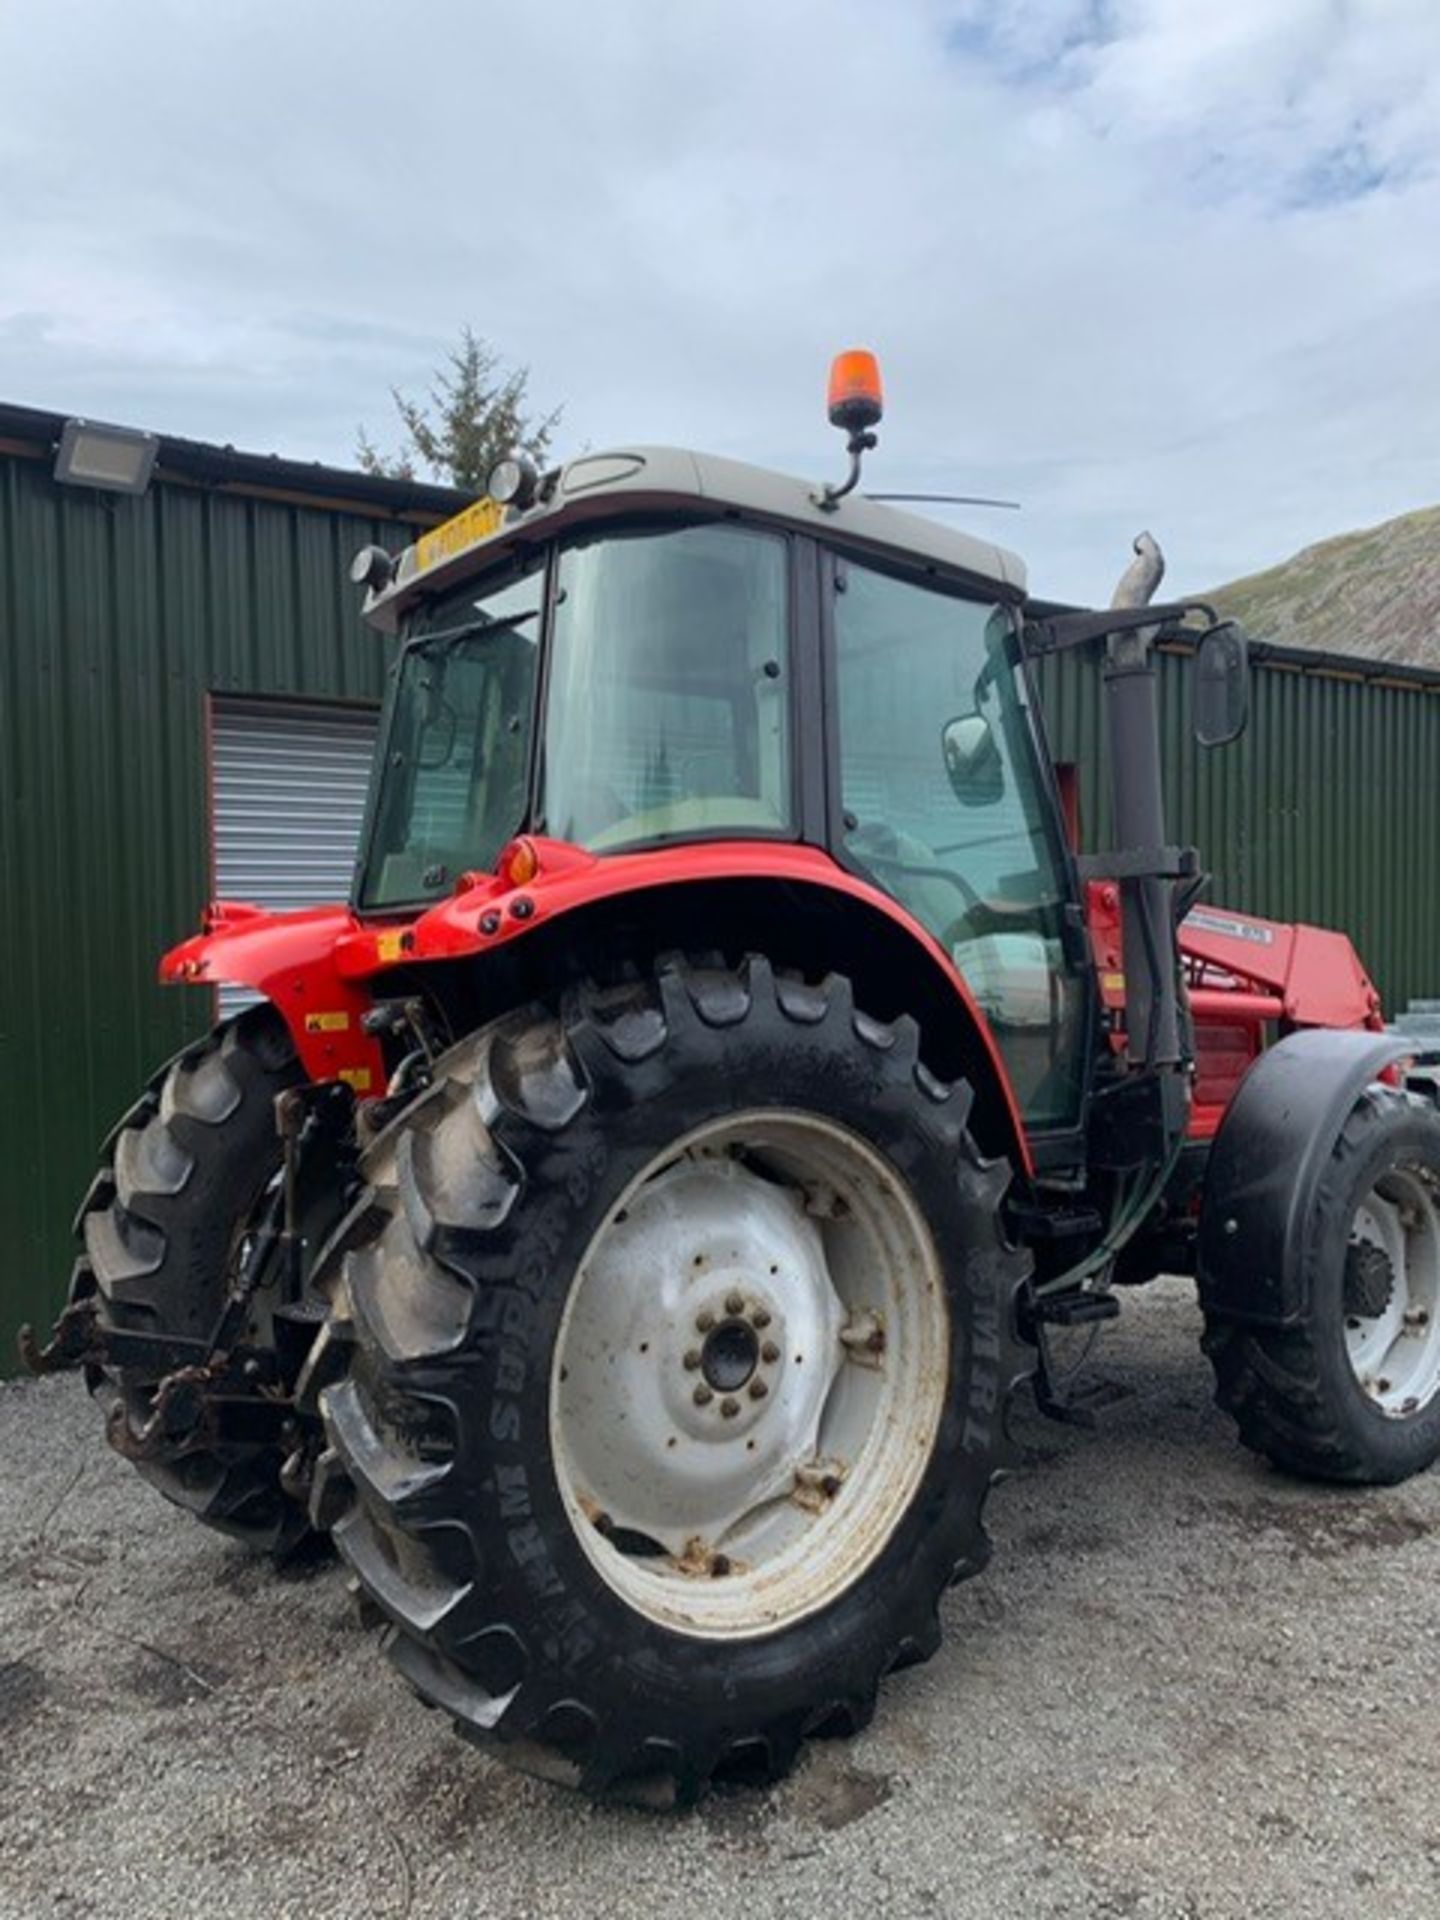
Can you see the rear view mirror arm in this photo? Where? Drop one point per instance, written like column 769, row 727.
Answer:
column 1063, row 631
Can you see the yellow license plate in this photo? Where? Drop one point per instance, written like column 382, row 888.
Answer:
column 475, row 522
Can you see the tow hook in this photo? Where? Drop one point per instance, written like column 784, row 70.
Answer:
column 174, row 1421
column 71, row 1342
column 78, row 1340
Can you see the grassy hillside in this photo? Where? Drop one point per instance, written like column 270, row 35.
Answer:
column 1374, row 592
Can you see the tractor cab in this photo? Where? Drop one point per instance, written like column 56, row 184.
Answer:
column 659, row 651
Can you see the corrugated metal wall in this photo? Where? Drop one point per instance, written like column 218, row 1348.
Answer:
column 1324, row 810
column 117, row 616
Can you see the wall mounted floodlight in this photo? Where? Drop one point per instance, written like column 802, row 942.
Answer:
column 117, row 459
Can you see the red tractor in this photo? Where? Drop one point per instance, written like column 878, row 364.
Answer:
column 623, row 1226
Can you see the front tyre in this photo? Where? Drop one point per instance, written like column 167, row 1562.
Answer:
column 683, row 1335
column 1351, row 1390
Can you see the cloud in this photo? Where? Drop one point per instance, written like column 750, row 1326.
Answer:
column 1131, row 261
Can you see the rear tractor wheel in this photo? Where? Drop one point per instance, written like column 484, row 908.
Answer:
column 682, row 1344
column 186, row 1179
column 1351, row 1391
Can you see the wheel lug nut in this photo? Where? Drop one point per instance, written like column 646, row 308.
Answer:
column 770, row 1351
column 734, row 1303
column 692, row 1359
column 702, row 1395
column 704, row 1322
column 729, row 1408
column 758, row 1389
column 760, row 1318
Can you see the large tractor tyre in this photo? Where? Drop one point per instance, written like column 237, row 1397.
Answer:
column 162, row 1228
column 1351, row 1391
column 682, row 1341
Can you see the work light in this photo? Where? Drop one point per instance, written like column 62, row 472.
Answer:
column 512, row 480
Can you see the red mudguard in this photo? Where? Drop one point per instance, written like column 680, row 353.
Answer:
column 323, row 968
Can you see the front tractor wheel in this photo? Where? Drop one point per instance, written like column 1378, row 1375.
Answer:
column 683, row 1336
column 1350, row 1390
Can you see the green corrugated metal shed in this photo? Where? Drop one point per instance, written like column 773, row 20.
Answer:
column 1327, row 808
column 118, row 616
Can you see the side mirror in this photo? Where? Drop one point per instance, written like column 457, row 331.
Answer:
column 972, row 761
column 1221, row 697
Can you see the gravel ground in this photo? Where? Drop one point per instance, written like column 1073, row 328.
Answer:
column 1186, row 1686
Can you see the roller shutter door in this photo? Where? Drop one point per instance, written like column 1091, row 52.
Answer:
column 288, row 781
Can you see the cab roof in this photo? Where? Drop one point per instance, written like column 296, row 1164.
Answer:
column 621, row 481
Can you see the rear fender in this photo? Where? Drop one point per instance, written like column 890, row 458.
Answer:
column 292, row 959
column 1267, row 1159
column 488, row 916
column 324, row 968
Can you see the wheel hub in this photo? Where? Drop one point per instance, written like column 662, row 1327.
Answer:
column 1369, row 1279
column 730, row 1356
column 1391, row 1294
column 704, row 1349
column 752, row 1349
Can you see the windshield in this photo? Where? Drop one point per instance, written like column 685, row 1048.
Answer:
column 667, row 707
column 666, row 714
column 452, row 787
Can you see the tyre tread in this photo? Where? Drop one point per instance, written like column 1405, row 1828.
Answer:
column 524, row 1087
column 132, row 1226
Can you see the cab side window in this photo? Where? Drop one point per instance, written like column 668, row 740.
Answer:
column 945, row 808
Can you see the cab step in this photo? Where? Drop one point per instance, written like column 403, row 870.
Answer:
column 1032, row 1224
column 1085, row 1406
column 1075, row 1309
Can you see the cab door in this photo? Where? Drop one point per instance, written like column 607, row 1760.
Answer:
column 944, row 798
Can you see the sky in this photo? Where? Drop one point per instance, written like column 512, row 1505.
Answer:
column 1135, row 263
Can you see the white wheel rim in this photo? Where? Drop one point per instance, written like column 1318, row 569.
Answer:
column 1395, row 1353
column 749, row 1375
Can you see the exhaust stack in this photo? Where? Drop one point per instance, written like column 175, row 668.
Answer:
column 1152, row 999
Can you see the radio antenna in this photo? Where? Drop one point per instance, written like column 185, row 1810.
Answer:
column 949, row 499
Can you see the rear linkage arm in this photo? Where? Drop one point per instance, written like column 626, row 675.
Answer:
column 189, row 1407
column 217, row 1390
